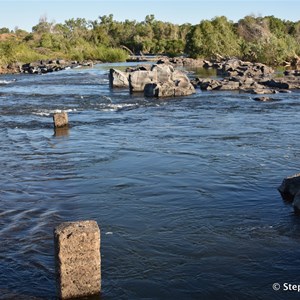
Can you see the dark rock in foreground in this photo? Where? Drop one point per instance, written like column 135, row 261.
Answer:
column 290, row 191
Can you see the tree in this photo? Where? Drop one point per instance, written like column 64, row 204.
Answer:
column 4, row 30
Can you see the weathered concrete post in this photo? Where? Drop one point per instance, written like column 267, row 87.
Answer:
column 77, row 258
column 60, row 119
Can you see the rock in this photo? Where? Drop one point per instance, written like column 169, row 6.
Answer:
column 185, row 61
column 162, row 72
column 161, row 81
column 60, row 119
column 61, row 62
column 262, row 91
column 78, row 260
column 138, row 80
column 167, row 89
column 182, row 61
column 180, row 78
column 229, row 85
column 296, row 203
column 236, row 67
column 278, row 84
column 263, row 99
column 292, row 73
column 184, row 90
column 209, row 84
column 207, row 64
column 289, row 187
column 118, row 78
column 284, row 91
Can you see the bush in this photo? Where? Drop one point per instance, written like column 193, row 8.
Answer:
column 111, row 54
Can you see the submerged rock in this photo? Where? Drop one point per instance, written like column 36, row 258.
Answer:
column 264, row 99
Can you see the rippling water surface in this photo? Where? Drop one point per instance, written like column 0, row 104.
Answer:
column 184, row 190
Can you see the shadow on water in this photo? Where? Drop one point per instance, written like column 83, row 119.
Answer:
column 61, row 132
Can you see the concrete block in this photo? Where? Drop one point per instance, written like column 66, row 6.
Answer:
column 78, row 260
column 60, row 119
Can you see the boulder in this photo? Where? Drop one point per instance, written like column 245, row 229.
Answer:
column 138, row 80
column 184, row 90
column 168, row 89
column 209, row 84
column 279, row 84
column 163, row 72
column 180, row 78
column 289, row 187
column 229, row 85
column 162, row 81
column 118, row 78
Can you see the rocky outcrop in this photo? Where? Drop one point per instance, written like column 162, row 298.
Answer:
column 118, row 78
column 139, row 79
column 169, row 89
column 254, row 78
column 43, row 67
column 182, row 62
column 159, row 80
column 236, row 67
column 233, row 83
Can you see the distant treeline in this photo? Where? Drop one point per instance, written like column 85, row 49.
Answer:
column 259, row 39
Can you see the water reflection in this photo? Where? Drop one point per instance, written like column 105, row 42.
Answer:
column 61, row 131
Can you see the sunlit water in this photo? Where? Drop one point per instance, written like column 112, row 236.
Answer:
column 184, row 190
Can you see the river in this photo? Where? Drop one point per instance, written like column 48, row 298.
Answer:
column 183, row 189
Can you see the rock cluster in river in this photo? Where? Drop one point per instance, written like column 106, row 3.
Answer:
column 44, row 66
column 255, row 78
column 158, row 80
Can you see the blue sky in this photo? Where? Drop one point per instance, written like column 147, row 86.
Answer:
column 25, row 14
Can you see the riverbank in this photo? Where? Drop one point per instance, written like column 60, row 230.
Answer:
column 45, row 66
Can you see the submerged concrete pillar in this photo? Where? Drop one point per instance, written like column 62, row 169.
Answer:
column 60, row 119
column 77, row 258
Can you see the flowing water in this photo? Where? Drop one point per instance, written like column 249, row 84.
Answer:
column 184, row 190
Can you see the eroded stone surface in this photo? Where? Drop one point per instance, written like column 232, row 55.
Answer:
column 60, row 119
column 78, row 261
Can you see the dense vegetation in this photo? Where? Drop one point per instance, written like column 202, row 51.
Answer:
column 263, row 39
